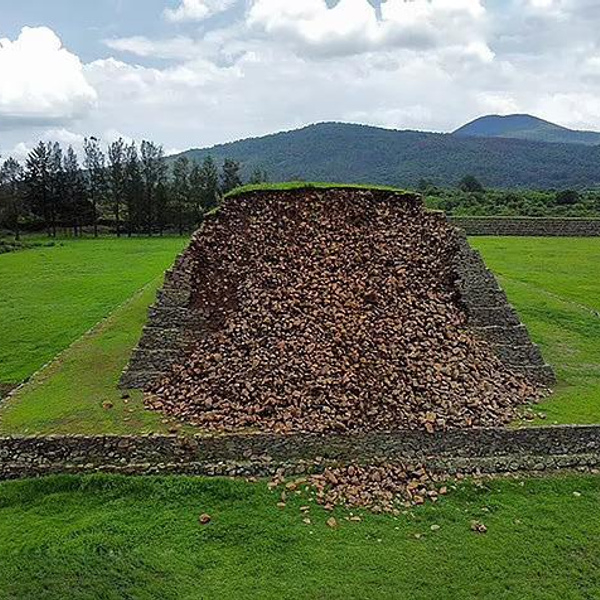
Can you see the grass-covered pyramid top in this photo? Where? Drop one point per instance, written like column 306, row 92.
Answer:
column 309, row 185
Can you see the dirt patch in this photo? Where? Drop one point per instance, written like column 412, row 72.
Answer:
column 6, row 389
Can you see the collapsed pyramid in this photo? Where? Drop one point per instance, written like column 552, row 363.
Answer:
column 333, row 310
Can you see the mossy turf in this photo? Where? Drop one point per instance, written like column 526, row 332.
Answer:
column 308, row 185
column 50, row 296
column 555, row 285
column 107, row 537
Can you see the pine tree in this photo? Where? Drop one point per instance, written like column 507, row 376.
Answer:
column 230, row 177
column 153, row 173
column 75, row 190
column 181, row 191
column 133, row 189
column 95, row 164
column 116, row 179
column 197, row 193
column 57, row 185
column 11, row 180
column 38, row 183
column 209, row 184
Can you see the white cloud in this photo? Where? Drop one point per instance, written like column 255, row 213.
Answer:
column 40, row 80
column 196, row 10
column 178, row 47
column 65, row 138
column 542, row 4
column 354, row 27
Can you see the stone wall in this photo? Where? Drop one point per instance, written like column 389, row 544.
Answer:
column 492, row 317
column 527, row 226
column 169, row 330
column 484, row 450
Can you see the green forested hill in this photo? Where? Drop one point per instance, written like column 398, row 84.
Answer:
column 363, row 154
column 526, row 127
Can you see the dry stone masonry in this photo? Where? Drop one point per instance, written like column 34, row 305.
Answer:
column 468, row 451
column 490, row 316
column 341, row 334
column 528, row 226
column 333, row 311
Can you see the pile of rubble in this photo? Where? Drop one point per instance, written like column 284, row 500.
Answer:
column 382, row 487
column 332, row 311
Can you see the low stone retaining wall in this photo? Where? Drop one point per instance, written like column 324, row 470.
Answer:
column 492, row 318
column 482, row 450
column 526, row 226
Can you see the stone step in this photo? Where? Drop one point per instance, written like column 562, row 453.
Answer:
column 168, row 317
column 156, row 338
column 528, row 355
column 176, row 278
column 484, row 297
column 477, row 280
column 154, row 360
column 173, row 297
column 543, row 375
column 138, row 380
column 492, row 316
column 514, row 335
column 178, row 287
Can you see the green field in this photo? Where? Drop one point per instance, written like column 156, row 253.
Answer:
column 114, row 538
column 50, row 296
column 71, row 394
column 555, row 285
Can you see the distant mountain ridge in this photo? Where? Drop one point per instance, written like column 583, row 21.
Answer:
column 526, row 127
column 362, row 154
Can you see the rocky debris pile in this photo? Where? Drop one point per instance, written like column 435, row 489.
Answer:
column 332, row 311
column 382, row 487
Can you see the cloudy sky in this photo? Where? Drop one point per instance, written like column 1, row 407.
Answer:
column 192, row 73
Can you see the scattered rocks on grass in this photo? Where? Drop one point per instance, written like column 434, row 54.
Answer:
column 381, row 488
column 478, row 527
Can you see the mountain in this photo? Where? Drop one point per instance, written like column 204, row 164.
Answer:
column 361, row 154
column 526, row 127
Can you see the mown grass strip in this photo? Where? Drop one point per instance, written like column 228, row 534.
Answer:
column 112, row 537
column 309, row 185
column 77, row 392
column 50, row 296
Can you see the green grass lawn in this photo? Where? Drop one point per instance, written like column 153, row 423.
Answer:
column 71, row 394
column 50, row 296
column 107, row 537
column 555, row 285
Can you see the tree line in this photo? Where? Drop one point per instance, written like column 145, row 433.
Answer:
column 125, row 188
column 471, row 198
